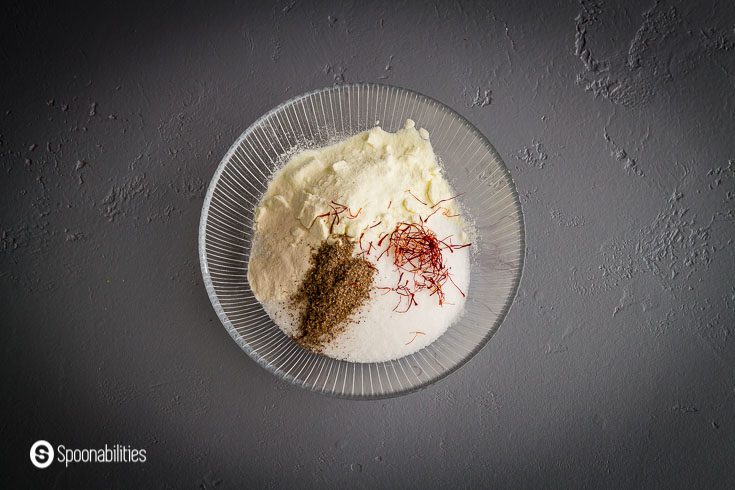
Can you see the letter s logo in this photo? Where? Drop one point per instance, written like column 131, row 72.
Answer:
column 42, row 454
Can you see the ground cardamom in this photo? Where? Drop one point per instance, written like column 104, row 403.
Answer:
column 333, row 289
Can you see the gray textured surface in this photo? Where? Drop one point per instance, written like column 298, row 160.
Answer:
column 615, row 365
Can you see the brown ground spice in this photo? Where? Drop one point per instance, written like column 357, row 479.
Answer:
column 334, row 287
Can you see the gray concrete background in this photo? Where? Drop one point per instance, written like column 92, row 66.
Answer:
column 615, row 365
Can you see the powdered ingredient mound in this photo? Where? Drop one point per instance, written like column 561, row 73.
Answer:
column 334, row 287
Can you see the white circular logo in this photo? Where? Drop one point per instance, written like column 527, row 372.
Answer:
column 42, row 454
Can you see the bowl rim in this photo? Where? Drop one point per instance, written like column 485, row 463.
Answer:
column 291, row 379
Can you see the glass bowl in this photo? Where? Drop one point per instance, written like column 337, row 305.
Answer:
column 317, row 118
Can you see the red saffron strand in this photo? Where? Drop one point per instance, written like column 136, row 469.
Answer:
column 418, row 252
column 445, row 200
column 336, row 210
column 458, row 289
column 424, row 220
column 414, row 196
column 415, row 335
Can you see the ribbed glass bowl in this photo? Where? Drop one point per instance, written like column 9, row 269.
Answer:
column 473, row 167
